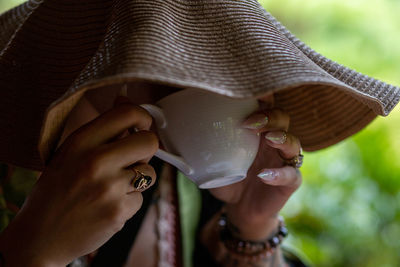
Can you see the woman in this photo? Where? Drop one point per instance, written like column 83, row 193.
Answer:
column 85, row 177
column 88, row 162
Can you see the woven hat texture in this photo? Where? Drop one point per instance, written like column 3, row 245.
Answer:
column 53, row 51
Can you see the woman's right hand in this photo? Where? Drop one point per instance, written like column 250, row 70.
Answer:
column 84, row 196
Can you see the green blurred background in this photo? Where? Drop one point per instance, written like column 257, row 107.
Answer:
column 347, row 211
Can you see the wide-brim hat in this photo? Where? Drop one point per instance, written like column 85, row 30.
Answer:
column 53, row 51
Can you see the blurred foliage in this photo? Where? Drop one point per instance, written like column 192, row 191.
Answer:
column 6, row 4
column 347, row 211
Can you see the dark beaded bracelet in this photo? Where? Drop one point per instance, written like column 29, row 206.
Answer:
column 252, row 250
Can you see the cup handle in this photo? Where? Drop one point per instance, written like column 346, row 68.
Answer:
column 162, row 123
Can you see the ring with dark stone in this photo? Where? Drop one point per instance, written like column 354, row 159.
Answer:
column 295, row 162
column 141, row 181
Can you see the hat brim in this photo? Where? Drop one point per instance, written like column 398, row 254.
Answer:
column 53, row 51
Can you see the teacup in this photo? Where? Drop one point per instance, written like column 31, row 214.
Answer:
column 202, row 136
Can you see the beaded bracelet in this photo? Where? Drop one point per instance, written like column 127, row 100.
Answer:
column 250, row 250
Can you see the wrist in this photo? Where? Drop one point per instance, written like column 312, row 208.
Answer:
column 17, row 249
column 250, row 249
column 247, row 227
column 228, row 250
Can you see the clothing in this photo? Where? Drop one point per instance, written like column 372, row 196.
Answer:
column 16, row 183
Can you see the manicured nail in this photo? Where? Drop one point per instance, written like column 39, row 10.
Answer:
column 268, row 175
column 123, row 135
column 256, row 122
column 278, row 138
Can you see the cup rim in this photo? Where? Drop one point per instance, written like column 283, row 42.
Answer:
column 219, row 180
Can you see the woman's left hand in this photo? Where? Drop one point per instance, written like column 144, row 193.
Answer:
column 253, row 204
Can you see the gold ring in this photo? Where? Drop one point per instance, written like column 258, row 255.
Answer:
column 296, row 161
column 284, row 137
column 141, row 181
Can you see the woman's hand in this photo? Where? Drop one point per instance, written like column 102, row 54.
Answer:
column 254, row 203
column 84, row 196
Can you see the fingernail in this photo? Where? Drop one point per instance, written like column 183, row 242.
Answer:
column 124, row 90
column 256, row 122
column 122, row 96
column 268, row 175
column 278, row 138
column 123, row 135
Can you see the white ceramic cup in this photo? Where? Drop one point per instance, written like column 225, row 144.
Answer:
column 203, row 138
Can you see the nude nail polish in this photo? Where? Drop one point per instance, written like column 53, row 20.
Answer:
column 256, row 122
column 278, row 138
column 268, row 175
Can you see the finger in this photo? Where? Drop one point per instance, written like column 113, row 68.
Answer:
column 288, row 145
column 145, row 169
column 267, row 101
column 123, row 182
column 267, row 120
column 111, row 125
column 132, row 203
column 285, row 176
column 137, row 147
column 120, row 99
column 116, row 211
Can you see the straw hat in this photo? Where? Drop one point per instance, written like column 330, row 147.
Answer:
column 52, row 51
